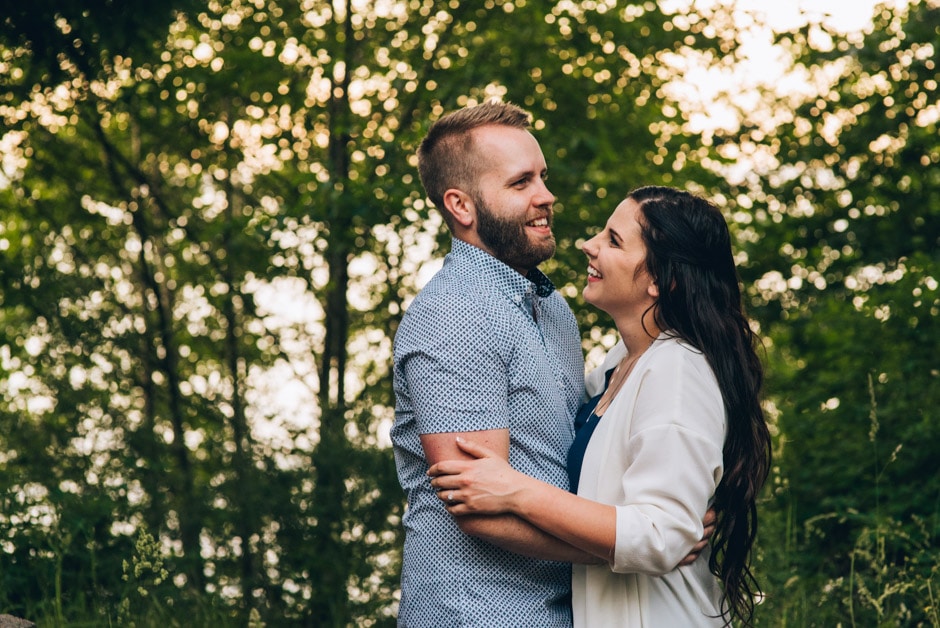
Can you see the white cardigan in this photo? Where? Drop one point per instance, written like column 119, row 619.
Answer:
column 656, row 455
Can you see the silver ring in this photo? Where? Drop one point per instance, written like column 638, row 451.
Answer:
column 450, row 497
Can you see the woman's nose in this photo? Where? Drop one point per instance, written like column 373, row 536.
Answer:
column 589, row 247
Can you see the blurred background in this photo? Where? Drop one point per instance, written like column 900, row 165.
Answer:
column 211, row 223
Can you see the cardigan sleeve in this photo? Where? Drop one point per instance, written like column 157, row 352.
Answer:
column 673, row 462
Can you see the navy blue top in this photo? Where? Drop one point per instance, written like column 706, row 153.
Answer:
column 584, row 424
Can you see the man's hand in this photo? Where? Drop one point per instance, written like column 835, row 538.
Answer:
column 709, row 523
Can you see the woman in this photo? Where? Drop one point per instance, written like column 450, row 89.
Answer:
column 678, row 428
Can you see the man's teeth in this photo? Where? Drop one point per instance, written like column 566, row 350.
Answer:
column 539, row 222
column 592, row 272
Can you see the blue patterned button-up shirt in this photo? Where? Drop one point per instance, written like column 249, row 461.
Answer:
column 483, row 348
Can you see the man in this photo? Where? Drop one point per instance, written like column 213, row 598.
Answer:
column 489, row 348
column 490, row 351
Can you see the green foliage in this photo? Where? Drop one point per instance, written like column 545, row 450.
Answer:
column 880, row 570
column 843, row 278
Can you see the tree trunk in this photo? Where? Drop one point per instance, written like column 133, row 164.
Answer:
column 246, row 523
column 331, row 581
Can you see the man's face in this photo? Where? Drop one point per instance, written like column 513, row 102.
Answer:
column 513, row 204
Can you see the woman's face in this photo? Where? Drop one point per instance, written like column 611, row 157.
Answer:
column 617, row 281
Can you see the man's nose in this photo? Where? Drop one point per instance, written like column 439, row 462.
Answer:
column 544, row 196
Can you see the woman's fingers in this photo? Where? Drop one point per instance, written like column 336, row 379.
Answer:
column 444, row 483
column 475, row 449
column 453, row 467
column 446, row 467
column 451, row 499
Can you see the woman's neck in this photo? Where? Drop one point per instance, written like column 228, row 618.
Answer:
column 637, row 336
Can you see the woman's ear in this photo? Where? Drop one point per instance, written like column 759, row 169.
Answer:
column 652, row 289
column 460, row 206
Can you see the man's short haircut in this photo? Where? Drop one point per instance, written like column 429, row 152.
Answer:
column 446, row 156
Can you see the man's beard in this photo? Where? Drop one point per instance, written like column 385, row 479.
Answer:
column 507, row 240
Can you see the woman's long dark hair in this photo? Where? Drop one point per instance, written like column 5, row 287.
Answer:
column 689, row 257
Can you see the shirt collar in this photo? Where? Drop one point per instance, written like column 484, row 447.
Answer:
column 497, row 273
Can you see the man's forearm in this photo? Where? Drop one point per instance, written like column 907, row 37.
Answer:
column 519, row 536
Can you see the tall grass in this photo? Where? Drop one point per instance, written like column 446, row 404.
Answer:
column 886, row 577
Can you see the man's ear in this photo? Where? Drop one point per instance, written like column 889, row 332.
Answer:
column 460, row 206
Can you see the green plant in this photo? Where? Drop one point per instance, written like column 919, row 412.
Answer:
column 885, row 577
column 146, row 573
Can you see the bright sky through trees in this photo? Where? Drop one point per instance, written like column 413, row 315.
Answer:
column 717, row 95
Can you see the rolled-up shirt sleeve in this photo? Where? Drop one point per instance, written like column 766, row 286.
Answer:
column 459, row 379
column 674, row 463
